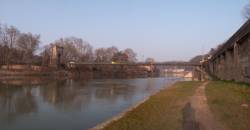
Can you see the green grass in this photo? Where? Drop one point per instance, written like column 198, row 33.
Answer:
column 163, row 111
column 225, row 100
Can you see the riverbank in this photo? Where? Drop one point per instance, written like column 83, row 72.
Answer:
column 191, row 106
column 230, row 103
column 6, row 73
column 216, row 105
column 99, row 71
column 163, row 110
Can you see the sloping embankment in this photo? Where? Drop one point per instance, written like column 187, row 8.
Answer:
column 163, row 110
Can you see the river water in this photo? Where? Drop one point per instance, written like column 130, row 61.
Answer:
column 70, row 104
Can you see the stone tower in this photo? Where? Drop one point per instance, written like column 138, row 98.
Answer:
column 56, row 57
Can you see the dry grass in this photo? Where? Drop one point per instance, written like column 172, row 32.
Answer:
column 162, row 111
column 225, row 100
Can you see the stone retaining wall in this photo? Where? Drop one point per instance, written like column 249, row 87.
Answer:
column 232, row 61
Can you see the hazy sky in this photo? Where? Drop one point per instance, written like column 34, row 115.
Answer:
column 162, row 29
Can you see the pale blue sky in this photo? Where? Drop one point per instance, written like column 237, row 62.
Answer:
column 162, row 29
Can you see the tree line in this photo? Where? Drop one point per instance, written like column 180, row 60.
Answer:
column 25, row 48
column 17, row 47
column 82, row 51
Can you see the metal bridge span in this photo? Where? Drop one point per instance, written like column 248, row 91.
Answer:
column 135, row 68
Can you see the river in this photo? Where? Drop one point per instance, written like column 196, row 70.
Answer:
column 71, row 104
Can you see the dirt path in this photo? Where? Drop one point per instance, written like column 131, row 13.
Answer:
column 197, row 115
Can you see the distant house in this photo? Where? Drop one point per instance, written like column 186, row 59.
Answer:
column 120, row 57
column 71, row 64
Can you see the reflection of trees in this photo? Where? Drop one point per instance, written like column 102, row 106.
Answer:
column 112, row 91
column 16, row 101
column 75, row 95
column 66, row 95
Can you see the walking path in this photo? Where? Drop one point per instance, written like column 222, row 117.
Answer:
column 197, row 115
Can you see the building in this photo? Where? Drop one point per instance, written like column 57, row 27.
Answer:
column 56, row 56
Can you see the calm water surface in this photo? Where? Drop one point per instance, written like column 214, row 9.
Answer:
column 68, row 104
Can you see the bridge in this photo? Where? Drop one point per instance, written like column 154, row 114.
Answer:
column 124, row 69
column 151, row 67
column 133, row 69
column 179, row 64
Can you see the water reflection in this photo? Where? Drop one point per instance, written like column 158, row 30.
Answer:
column 69, row 104
column 15, row 101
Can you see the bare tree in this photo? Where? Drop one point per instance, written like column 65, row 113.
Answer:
column 131, row 55
column 110, row 52
column 1, row 32
column 120, row 57
column 2, row 50
column 85, row 51
column 8, row 37
column 100, row 55
column 105, row 54
column 46, row 55
column 246, row 11
column 75, row 49
column 28, row 43
column 12, row 33
column 69, row 50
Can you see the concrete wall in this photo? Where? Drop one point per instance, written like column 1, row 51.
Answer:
column 232, row 62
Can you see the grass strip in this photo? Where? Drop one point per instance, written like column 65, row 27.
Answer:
column 162, row 111
column 230, row 103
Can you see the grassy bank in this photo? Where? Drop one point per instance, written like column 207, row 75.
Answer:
column 226, row 101
column 162, row 111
